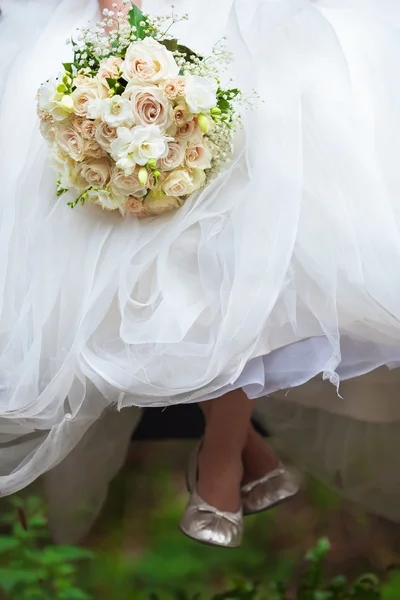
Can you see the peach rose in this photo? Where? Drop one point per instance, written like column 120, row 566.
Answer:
column 197, row 156
column 96, row 172
column 135, row 206
column 174, row 158
column 149, row 106
column 127, row 185
column 71, row 142
column 105, row 134
column 181, row 115
column 94, row 150
column 88, row 129
column 48, row 127
column 151, row 182
column 110, row 67
column 173, row 88
column 190, row 131
column 148, row 61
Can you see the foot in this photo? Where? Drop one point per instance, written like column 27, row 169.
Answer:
column 258, row 458
column 219, row 479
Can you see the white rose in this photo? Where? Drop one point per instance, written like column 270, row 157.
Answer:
column 182, row 182
column 137, row 146
column 157, row 203
column 197, row 156
column 200, row 93
column 148, row 61
column 105, row 135
column 71, row 142
column 107, row 200
column 96, row 172
column 127, row 185
column 149, row 106
column 114, row 111
column 174, row 158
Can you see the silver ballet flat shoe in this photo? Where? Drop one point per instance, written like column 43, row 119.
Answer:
column 275, row 487
column 205, row 523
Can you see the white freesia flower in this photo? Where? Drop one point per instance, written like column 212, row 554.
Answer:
column 113, row 111
column 137, row 146
column 107, row 200
column 200, row 93
column 59, row 105
column 148, row 61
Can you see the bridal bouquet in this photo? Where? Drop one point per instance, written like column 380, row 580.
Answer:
column 137, row 122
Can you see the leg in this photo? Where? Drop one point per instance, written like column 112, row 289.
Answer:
column 258, row 458
column 220, row 459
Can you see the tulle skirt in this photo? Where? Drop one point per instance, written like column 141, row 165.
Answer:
column 285, row 268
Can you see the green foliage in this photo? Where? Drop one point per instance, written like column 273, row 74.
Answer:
column 139, row 21
column 33, row 569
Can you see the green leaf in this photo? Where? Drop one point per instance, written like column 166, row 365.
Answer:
column 7, row 543
column 136, row 17
column 74, row 594
column 10, row 579
column 71, row 553
column 68, row 67
column 111, row 82
column 171, row 45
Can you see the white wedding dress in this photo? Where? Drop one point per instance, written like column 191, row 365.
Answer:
column 285, row 270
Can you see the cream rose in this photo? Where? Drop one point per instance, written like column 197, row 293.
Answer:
column 85, row 94
column 174, row 88
column 190, row 131
column 174, row 158
column 127, row 185
column 96, row 172
column 182, row 182
column 158, row 203
column 110, row 67
column 105, row 135
column 148, row 61
column 71, row 142
column 197, row 156
column 149, row 106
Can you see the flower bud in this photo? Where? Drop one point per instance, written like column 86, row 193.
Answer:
column 152, row 163
column 143, row 175
column 61, row 88
column 215, row 111
column 203, row 123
